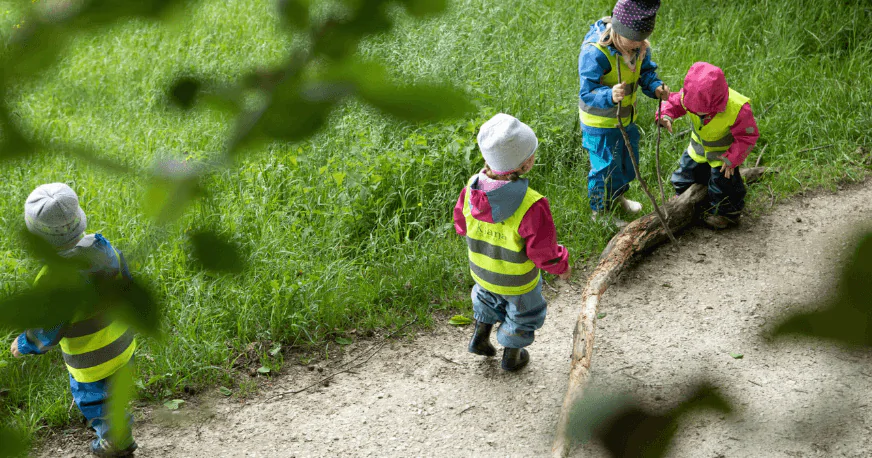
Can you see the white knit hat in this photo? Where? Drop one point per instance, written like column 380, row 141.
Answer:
column 52, row 212
column 506, row 143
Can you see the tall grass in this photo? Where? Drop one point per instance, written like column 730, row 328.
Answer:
column 351, row 230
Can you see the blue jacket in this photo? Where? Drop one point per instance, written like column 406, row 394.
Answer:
column 101, row 260
column 593, row 64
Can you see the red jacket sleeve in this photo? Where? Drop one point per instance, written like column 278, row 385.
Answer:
column 537, row 227
column 672, row 107
column 459, row 219
column 745, row 136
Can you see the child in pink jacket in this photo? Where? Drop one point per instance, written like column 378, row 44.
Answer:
column 724, row 131
column 510, row 236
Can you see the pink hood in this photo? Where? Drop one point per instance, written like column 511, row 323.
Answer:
column 705, row 89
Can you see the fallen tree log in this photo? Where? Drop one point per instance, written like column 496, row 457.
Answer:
column 638, row 236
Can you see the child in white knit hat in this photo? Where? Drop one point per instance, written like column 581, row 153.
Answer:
column 95, row 347
column 510, row 236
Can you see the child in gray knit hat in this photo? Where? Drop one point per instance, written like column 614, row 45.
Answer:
column 510, row 236
column 94, row 347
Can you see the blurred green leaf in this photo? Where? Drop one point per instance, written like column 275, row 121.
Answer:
column 102, row 12
column 132, row 302
column 421, row 8
column 628, row 430
column 214, row 252
column 184, row 91
column 344, row 341
column 11, row 443
column 337, row 38
column 601, row 315
column 846, row 317
column 174, row 404
column 120, row 394
column 171, row 191
column 263, row 370
column 422, row 102
column 275, row 350
column 225, row 391
column 460, row 320
column 295, row 12
column 737, row 355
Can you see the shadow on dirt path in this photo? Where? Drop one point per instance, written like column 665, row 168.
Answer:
column 670, row 319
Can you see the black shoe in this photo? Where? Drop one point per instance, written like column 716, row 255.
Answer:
column 480, row 342
column 105, row 448
column 514, row 359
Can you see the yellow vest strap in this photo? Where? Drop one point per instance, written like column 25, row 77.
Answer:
column 626, row 110
column 100, row 355
column 502, row 279
column 87, row 327
column 495, row 252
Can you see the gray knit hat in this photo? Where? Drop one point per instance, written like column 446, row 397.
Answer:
column 506, row 143
column 634, row 19
column 52, row 212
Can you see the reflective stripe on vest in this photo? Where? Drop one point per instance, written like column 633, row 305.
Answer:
column 709, row 142
column 607, row 117
column 95, row 347
column 498, row 260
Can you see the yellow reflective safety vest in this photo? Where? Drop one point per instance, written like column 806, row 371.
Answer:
column 497, row 253
column 94, row 346
column 709, row 142
column 607, row 117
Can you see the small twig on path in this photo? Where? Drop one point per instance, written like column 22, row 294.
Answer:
column 757, row 164
column 634, row 378
column 755, row 383
column 465, row 409
column 816, row 148
column 639, row 176
column 447, row 359
column 384, row 342
column 771, row 195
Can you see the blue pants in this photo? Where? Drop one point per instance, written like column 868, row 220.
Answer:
column 520, row 315
column 611, row 169
column 92, row 401
column 726, row 196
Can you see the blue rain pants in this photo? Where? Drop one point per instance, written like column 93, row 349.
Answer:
column 611, row 169
column 520, row 315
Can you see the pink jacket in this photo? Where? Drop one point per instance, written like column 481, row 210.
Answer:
column 706, row 92
column 537, row 225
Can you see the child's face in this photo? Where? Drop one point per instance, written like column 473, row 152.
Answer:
column 527, row 165
column 627, row 45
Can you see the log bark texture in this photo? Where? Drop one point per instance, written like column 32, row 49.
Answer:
column 638, row 236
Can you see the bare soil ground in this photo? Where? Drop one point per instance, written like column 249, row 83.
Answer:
column 671, row 319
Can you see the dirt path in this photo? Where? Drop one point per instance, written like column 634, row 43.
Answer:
column 663, row 328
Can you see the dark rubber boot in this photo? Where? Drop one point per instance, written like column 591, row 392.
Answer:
column 514, row 359
column 480, row 342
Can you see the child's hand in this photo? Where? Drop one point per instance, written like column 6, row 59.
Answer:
column 14, row 349
column 727, row 171
column 618, row 91
column 666, row 122
column 567, row 274
column 662, row 93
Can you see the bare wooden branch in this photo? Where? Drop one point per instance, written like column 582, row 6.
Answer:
column 638, row 236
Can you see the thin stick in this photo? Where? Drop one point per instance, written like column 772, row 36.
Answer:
column 385, row 342
column 757, row 164
column 657, row 155
column 767, row 109
column 642, row 183
column 816, row 148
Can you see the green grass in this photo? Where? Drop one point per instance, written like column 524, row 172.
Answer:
column 352, row 228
